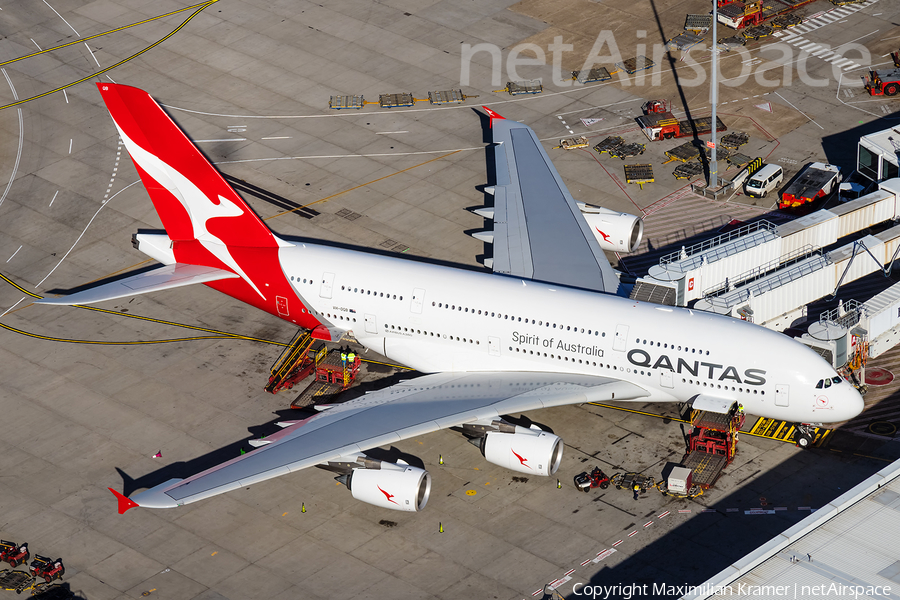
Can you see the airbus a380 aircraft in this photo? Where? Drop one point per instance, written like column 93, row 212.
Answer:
column 544, row 329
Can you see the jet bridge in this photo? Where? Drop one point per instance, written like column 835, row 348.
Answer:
column 708, row 267
column 779, row 298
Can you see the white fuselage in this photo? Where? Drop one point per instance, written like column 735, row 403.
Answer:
column 435, row 318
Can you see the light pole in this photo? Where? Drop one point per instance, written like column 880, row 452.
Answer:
column 714, row 98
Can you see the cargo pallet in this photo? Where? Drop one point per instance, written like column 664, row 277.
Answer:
column 698, row 23
column 592, row 75
column 573, row 143
column 16, row 581
column 639, row 174
column 333, row 376
column 346, row 102
column 529, row 86
column 609, row 144
column 687, row 170
column 633, row 65
column 447, row 97
column 624, row 151
column 401, row 100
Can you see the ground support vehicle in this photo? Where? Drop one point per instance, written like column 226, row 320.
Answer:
column 627, row 150
column 47, row 568
column 883, row 82
column 738, row 15
column 333, row 376
column 609, row 144
column 13, row 553
column 815, row 181
column 712, row 444
column 294, row 364
column 16, row 581
column 592, row 75
column 585, row 481
column 629, row 480
column 658, row 123
column 573, row 143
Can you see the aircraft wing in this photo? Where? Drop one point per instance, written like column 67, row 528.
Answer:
column 165, row 277
column 402, row 411
column 539, row 232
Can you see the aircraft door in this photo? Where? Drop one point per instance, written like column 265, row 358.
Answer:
column 371, row 327
column 494, row 346
column 665, row 379
column 417, row 299
column 327, row 284
column 782, row 395
column 620, row 338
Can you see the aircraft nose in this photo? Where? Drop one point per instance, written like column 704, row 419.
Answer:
column 853, row 403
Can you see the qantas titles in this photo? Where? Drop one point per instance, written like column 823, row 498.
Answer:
column 642, row 358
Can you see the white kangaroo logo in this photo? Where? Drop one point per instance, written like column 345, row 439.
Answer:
column 198, row 205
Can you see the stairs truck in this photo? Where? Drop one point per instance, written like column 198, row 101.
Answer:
column 659, row 123
column 816, row 181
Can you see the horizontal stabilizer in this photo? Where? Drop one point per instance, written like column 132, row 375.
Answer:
column 163, row 278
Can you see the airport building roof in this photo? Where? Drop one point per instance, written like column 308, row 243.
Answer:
column 850, row 542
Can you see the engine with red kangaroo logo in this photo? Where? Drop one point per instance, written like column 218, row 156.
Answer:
column 397, row 486
column 615, row 231
column 525, row 450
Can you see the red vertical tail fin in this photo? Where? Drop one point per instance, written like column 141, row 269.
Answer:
column 191, row 197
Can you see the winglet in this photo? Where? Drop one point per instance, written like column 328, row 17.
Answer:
column 492, row 115
column 124, row 503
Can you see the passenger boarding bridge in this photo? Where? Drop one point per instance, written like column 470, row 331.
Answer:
column 768, row 273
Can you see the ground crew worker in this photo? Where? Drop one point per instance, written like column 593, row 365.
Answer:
column 637, row 490
column 343, row 358
column 740, row 409
column 351, row 357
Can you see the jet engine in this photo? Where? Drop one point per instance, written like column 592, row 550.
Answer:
column 390, row 485
column 526, row 450
column 615, row 231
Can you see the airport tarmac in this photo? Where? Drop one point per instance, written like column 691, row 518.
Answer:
column 89, row 397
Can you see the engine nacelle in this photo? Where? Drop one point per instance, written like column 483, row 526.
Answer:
column 398, row 487
column 615, row 231
column 526, row 451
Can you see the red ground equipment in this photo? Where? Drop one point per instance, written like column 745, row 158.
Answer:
column 597, row 478
column 883, row 82
column 659, row 123
column 712, row 444
column 738, row 15
column 815, row 181
column 46, row 568
column 13, row 553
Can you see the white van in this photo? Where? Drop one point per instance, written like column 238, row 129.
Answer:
column 764, row 181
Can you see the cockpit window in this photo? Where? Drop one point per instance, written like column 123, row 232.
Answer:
column 836, row 379
column 819, row 385
column 828, row 383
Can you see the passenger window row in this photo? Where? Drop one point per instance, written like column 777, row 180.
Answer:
column 668, row 346
column 398, row 329
column 371, row 293
column 507, row 317
column 724, row 387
